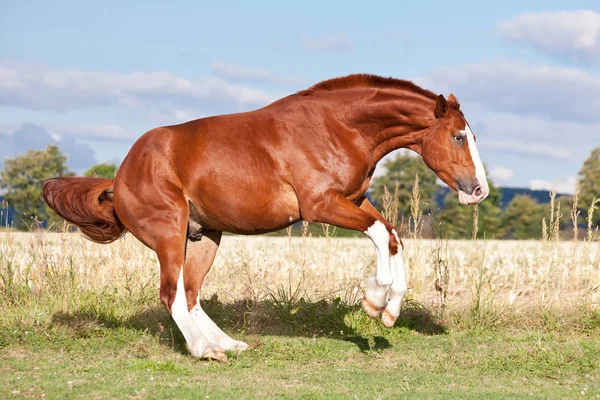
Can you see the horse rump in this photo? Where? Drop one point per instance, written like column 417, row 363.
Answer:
column 87, row 203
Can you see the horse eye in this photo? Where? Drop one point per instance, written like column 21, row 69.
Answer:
column 458, row 138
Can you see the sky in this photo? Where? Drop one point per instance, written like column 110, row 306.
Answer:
column 92, row 77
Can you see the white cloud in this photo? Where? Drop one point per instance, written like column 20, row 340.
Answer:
column 574, row 35
column 534, row 136
column 543, row 150
column 237, row 73
column 180, row 115
column 531, row 128
column 330, row 42
column 566, row 185
column 555, row 93
column 43, row 87
column 534, row 110
column 501, row 174
column 102, row 131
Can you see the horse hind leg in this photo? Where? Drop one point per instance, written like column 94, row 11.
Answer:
column 161, row 223
column 172, row 295
column 199, row 259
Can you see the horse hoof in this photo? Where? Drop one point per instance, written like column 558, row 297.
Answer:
column 370, row 309
column 215, row 354
column 388, row 319
column 240, row 346
column 236, row 346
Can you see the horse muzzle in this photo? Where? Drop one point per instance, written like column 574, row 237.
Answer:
column 479, row 193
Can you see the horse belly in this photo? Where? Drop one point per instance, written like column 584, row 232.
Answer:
column 247, row 212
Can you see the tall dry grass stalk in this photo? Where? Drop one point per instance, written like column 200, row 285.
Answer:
column 555, row 216
column 475, row 222
column 592, row 233
column 482, row 307
column 328, row 230
column 416, row 254
column 415, row 211
column 441, row 261
column 575, row 214
column 390, row 205
column 575, row 221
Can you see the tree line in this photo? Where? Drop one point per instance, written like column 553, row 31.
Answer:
column 521, row 219
column 22, row 178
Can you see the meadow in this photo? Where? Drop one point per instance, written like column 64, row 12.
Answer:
column 482, row 319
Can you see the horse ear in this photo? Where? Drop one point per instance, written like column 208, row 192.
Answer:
column 452, row 99
column 441, row 105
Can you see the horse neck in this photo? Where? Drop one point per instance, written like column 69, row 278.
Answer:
column 388, row 118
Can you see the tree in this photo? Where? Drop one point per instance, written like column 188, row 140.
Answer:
column 401, row 171
column 589, row 183
column 102, row 171
column 22, row 179
column 456, row 220
column 523, row 217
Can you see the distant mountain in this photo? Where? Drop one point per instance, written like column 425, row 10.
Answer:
column 30, row 136
column 541, row 196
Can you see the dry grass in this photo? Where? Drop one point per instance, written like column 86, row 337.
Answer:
column 84, row 320
column 496, row 279
column 469, row 283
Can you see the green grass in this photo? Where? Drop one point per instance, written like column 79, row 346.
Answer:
column 108, row 345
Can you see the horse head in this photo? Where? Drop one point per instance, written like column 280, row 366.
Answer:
column 449, row 149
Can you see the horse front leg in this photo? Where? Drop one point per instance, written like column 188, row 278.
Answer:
column 335, row 209
column 383, row 296
column 378, row 285
column 398, row 287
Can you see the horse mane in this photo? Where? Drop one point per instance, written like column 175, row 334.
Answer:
column 365, row 80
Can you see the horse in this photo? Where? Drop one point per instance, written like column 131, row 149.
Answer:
column 308, row 156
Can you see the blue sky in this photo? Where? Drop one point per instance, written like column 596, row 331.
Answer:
column 98, row 75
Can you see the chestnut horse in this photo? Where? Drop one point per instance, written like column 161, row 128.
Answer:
column 309, row 156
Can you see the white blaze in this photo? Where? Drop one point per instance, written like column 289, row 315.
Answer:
column 479, row 169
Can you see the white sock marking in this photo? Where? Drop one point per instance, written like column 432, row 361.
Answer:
column 196, row 341
column 398, row 287
column 212, row 332
column 397, row 239
column 381, row 238
column 375, row 293
column 479, row 169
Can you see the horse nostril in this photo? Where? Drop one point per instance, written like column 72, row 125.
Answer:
column 478, row 191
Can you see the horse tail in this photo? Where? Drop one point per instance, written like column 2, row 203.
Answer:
column 87, row 203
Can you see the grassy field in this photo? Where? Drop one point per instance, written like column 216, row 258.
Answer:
column 483, row 319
